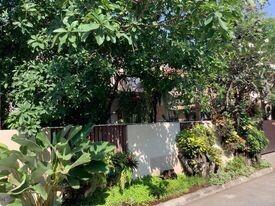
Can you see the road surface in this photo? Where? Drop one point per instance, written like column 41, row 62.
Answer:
column 257, row 192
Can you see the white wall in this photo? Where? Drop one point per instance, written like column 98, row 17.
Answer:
column 5, row 138
column 155, row 147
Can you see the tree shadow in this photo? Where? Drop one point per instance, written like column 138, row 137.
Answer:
column 158, row 188
column 98, row 198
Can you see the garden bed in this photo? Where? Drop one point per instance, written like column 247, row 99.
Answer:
column 154, row 190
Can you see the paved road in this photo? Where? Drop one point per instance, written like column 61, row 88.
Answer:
column 258, row 192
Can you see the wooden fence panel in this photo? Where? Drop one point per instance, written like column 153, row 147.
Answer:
column 115, row 134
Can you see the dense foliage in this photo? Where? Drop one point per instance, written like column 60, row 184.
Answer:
column 198, row 153
column 270, row 26
column 44, row 172
column 256, row 141
column 230, row 140
column 243, row 89
column 62, row 61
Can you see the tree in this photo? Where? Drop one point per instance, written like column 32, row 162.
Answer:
column 65, row 53
column 270, row 26
column 240, row 83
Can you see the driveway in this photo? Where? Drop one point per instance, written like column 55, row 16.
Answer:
column 257, row 192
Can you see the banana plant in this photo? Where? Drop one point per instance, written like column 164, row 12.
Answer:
column 39, row 173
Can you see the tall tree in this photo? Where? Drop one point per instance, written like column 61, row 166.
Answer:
column 66, row 57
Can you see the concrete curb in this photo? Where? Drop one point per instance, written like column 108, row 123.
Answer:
column 185, row 199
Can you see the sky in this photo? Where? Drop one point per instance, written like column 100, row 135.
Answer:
column 270, row 10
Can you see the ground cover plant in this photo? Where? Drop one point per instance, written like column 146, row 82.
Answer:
column 150, row 190
column 145, row 190
column 237, row 167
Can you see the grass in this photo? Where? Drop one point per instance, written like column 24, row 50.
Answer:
column 150, row 190
column 145, row 191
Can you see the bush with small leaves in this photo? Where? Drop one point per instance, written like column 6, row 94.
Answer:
column 198, row 153
column 230, row 139
column 234, row 169
column 256, row 141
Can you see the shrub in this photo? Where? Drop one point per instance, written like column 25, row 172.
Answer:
column 42, row 169
column 197, row 151
column 122, row 171
column 238, row 167
column 230, row 139
column 256, row 141
column 262, row 164
column 235, row 168
column 26, row 118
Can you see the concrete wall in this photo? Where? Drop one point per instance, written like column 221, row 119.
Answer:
column 5, row 138
column 155, row 147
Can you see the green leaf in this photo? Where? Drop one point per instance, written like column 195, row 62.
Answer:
column 84, row 36
column 30, row 144
column 60, row 30
column 81, row 173
column 9, row 163
column 41, row 136
column 73, row 132
column 39, row 189
column 83, row 159
column 110, row 27
column 62, row 40
column 119, row 35
column 74, row 183
column 65, row 157
column 101, row 149
column 80, row 135
column 223, row 25
column 218, row 14
column 13, row 180
column 100, row 39
column 72, row 39
column 38, row 173
column 97, row 167
column 64, row 132
column 208, row 20
column 113, row 39
column 20, row 188
column 88, row 27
